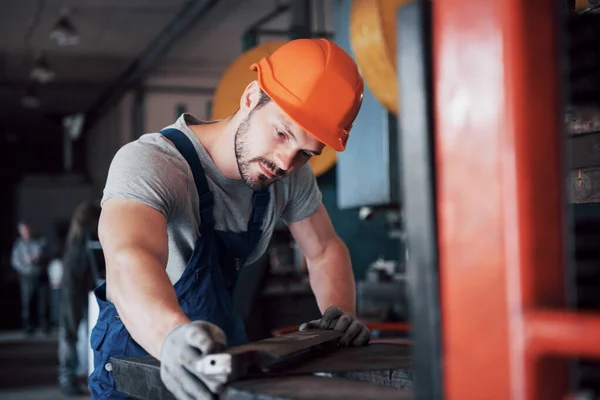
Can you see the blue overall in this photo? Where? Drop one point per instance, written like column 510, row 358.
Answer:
column 204, row 291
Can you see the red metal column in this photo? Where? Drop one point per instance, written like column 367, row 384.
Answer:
column 500, row 191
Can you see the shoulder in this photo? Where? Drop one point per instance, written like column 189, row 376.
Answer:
column 152, row 159
column 152, row 149
column 149, row 170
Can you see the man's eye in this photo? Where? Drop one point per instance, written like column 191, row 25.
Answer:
column 281, row 134
column 306, row 154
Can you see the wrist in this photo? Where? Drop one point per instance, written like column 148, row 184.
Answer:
column 166, row 329
column 346, row 308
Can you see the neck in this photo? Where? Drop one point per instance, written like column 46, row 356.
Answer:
column 218, row 139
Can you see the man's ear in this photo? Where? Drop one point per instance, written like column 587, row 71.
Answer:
column 250, row 97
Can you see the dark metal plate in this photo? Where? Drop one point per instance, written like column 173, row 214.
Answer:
column 585, row 150
column 140, row 376
column 263, row 356
column 375, row 357
column 309, row 387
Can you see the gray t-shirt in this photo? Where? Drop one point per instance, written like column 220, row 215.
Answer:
column 151, row 170
column 24, row 250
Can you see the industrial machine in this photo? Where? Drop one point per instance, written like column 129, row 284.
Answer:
column 381, row 295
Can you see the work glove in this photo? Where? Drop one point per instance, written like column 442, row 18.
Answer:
column 355, row 332
column 181, row 349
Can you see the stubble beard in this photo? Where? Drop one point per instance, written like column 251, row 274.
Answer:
column 245, row 162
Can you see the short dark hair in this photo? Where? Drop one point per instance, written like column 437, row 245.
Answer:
column 263, row 100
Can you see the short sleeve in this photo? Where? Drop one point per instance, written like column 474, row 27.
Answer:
column 304, row 195
column 150, row 172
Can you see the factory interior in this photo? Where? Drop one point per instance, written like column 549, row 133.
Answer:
column 467, row 195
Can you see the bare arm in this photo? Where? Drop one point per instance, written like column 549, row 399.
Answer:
column 329, row 266
column 135, row 245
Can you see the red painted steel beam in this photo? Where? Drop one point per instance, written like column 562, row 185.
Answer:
column 500, row 192
column 566, row 334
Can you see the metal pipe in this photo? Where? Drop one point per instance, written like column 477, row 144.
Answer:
column 417, row 176
column 280, row 9
column 198, row 90
column 301, row 19
column 281, row 32
column 250, row 36
column 562, row 333
column 138, row 112
column 187, row 18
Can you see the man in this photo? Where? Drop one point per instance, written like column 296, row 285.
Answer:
column 185, row 208
column 77, row 281
column 29, row 258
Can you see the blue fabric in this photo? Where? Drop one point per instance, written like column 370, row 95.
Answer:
column 205, row 289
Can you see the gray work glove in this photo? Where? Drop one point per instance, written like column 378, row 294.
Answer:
column 355, row 332
column 182, row 347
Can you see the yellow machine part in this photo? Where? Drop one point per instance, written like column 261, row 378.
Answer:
column 373, row 41
column 232, row 84
column 581, row 5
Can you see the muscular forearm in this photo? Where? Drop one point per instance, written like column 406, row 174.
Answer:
column 331, row 278
column 145, row 299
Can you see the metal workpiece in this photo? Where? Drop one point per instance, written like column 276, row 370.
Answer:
column 310, row 388
column 266, row 355
column 379, row 370
column 215, row 364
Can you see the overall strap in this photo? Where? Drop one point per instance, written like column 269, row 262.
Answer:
column 205, row 196
column 260, row 202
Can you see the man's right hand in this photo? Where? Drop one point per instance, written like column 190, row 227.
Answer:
column 181, row 349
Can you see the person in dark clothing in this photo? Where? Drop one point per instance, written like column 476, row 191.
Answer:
column 30, row 259
column 77, row 282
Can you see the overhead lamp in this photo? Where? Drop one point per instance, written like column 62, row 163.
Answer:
column 30, row 99
column 63, row 32
column 41, row 71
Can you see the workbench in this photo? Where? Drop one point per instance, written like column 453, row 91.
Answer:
column 379, row 370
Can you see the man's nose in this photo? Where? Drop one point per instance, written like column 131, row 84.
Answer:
column 285, row 159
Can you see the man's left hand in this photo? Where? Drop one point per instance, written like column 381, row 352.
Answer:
column 355, row 332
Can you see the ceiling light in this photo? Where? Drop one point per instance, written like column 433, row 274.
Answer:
column 63, row 32
column 41, row 71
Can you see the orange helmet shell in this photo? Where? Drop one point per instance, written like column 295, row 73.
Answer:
column 317, row 84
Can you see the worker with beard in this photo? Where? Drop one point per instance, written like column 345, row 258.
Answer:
column 185, row 208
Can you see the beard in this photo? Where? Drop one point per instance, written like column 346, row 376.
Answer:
column 245, row 160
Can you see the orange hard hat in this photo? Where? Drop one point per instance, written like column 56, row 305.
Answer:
column 317, row 84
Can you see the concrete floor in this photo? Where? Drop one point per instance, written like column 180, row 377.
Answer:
column 28, row 367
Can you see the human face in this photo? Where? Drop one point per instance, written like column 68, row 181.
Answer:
column 25, row 231
column 269, row 146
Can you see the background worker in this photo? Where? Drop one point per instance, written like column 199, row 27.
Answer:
column 30, row 259
column 185, row 208
column 77, row 282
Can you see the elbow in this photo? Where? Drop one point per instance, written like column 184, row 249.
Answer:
column 117, row 273
column 334, row 252
column 124, row 266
